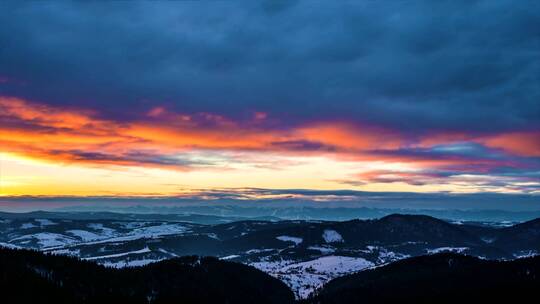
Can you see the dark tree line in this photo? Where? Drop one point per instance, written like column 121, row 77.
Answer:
column 32, row 277
column 441, row 278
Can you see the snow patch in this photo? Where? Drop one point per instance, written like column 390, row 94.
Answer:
column 525, row 254
column 332, row 236
column 167, row 252
column 131, row 263
column 232, row 256
column 139, row 233
column 45, row 222
column 132, row 225
column 254, row 251
column 47, row 239
column 488, row 240
column 10, row 246
column 28, row 226
column 75, row 253
column 213, row 235
column 84, row 235
column 296, row 240
column 144, row 250
column 447, row 249
column 305, row 277
column 105, row 231
column 323, row 249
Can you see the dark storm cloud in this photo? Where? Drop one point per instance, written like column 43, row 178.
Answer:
column 456, row 65
column 301, row 145
column 142, row 158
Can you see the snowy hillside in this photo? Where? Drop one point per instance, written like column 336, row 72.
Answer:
column 303, row 254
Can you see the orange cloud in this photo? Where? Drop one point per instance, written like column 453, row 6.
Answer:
column 519, row 143
column 44, row 115
column 352, row 138
column 78, row 135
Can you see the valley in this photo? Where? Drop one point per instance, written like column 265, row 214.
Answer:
column 304, row 254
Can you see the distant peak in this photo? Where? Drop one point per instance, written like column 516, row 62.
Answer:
column 399, row 216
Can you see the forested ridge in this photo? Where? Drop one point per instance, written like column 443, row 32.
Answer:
column 32, row 277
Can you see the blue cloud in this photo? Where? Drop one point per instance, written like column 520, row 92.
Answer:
column 459, row 65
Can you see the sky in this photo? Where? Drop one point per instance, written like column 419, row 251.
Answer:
column 168, row 99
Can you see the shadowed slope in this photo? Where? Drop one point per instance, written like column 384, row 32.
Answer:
column 59, row 279
column 441, row 278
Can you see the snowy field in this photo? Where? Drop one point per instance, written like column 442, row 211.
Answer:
column 305, row 277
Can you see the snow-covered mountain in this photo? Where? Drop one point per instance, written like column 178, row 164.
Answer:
column 303, row 254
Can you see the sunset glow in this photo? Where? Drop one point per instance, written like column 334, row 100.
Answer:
column 77, row 118
column 54, row 151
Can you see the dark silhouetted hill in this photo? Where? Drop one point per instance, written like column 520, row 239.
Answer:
column 440, row 278
column 32, row 277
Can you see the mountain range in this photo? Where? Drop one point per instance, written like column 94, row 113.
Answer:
column 303, row 254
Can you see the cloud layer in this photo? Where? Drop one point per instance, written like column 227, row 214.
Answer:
column 449, row 89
